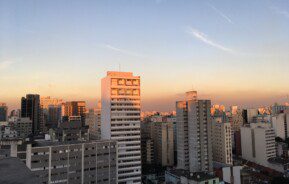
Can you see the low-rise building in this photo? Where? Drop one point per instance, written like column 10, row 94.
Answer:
column 78, row 162
column 179, row 176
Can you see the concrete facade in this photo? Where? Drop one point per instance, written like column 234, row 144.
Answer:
column 79, row 163
column 258, row 144
column 222, row 143
column 164, row 143
column 194, row 129
column 120, row 121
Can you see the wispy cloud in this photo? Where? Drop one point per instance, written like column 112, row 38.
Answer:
column 160, row 1
column 280, row 12
column 122, row 51
column 223, row 15
column 204, row 38
column 6, row 64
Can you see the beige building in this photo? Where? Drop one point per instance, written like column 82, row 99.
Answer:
column 164, row 143
column 194, row 129
column 45, row 102
column 222, row 142
column 280, row 123
column 93, row 120
column 258, row 143
column 120, row 121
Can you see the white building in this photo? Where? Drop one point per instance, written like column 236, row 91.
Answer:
column 120, row 121
column 280, row 123
column 194, row 129
column 258, row 144
column 222, row 142
column 251, row 113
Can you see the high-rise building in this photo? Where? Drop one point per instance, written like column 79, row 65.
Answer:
column 53, row 116
column 194, row 126
column 164, row 143
column 51, row 109
column 120, row 121
column 74, row 108
column 258, row 143
column 182, row 130
column 45, row 102
column 222, row 141
column 3, row 112
column 30, row 107
column 280, row 123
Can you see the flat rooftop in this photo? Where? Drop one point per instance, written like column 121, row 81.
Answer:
column 43, row 143
column 197, row 176
column 14, row 171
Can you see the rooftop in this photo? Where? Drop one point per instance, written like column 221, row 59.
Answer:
column 197, row 176
column 14, row 171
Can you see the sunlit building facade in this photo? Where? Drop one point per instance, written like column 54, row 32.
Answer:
column 120, row 121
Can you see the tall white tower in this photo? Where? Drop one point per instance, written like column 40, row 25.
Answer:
column 120, row 121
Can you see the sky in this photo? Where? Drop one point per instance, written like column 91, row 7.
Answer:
column 232, row 52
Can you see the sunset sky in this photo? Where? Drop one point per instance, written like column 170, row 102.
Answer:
column 233, row 52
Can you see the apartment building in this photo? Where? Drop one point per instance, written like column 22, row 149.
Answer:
column 74, row 163
column 194, row 127
column 222, row 142
column 258, row 143
column 120, row 121
column 164, row 143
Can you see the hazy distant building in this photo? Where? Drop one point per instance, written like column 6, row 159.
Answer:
column 222, row 142
column 164, row 143
column 194, row 127
column 74, row 108
column 30, row 107
column 45, row 102
column 258, row 144
column 53, row 116
column 249, row 114
column 276, row 108
column 3, row 112
column 92, row 120
column 78, row 162
column 120, row 121
column 51, row 108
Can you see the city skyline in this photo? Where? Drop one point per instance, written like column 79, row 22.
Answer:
column 233, row 53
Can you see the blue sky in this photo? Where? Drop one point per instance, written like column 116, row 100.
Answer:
column 233, row 52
